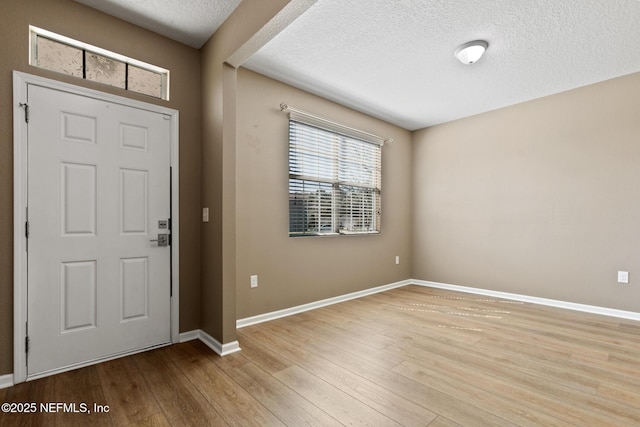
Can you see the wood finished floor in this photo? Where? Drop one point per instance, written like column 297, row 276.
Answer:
column 412, row 356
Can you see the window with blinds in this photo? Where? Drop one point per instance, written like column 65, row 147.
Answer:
column 334, row 182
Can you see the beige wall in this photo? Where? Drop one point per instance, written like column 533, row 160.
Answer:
column 293, row 271
column 218, row 299
column 74, row 20
column 541, row 199
column 538, row 199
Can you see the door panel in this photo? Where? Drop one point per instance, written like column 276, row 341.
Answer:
column 78, row 295
column 78, row 199
column 135, row 288
column 133, row 202
column 98, row 184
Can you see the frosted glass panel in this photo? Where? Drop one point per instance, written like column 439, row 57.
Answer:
column 59, row 57
column 145, row 81
column 106, row 70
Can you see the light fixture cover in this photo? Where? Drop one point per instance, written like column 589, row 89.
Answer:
column 471, row 52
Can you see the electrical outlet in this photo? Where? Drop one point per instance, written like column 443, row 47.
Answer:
column 205, row 214
column 254, row 281
column 397, row 259
column 623, row 277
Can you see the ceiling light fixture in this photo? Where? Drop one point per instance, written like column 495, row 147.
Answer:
column 471, row 52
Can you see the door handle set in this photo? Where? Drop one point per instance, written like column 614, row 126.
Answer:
column 162, row 240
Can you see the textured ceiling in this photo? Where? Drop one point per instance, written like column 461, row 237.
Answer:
column 190, row 22
column 393, row 59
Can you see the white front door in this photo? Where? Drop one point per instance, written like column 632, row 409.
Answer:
column 98, row 191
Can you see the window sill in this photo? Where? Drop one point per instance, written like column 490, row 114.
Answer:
column 342, row 233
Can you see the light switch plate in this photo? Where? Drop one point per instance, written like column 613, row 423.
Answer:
column 623, row 277
column 205, row 214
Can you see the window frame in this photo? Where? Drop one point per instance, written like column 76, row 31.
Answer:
column 35, row 33
column 336, row 137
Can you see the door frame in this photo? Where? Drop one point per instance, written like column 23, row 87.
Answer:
column 20, row 186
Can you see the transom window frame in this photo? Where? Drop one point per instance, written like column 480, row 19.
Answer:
column 36, row 32
column 335, row 177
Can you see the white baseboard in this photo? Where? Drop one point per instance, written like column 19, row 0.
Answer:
column 221, row 349
column 234, row 346
column 6, row 381
column 212, row 343
column 241, row 323
column 631, row 315
column 190, row 336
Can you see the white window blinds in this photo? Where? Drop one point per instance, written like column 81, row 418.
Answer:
column 334, row 181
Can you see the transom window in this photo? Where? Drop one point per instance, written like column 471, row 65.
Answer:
column 334, row 180
column 64, row 55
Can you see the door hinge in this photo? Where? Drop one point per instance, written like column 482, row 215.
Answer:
column 26, row 229
column 26, row 111
column 26, row 344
